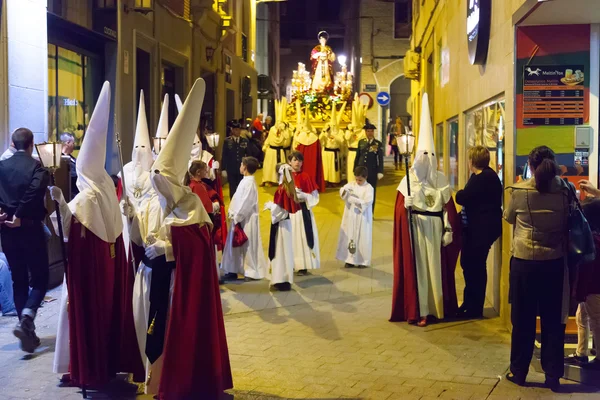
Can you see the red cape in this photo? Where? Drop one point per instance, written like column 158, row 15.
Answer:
column 305, row 182
column 313, row 163
column 404, row 298
column 220, row 225
column 101, row 327
column 196, row 359
column 283, row 200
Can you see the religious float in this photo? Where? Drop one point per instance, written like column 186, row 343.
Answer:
column 322, row 90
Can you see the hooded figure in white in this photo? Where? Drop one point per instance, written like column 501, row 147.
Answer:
column 332, row 140
column 198, row 152
column 354, row 134
column 96, row 209
column 429, row 193
column 162, row 131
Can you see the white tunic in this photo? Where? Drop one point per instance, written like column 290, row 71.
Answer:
column 305, row 257
column 428, row 231
column 332, row 170
column 248, row 259
column 281, row 267
column 357, row 224
column 278, row 139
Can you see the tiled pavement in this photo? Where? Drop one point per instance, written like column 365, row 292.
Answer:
column 327, row 339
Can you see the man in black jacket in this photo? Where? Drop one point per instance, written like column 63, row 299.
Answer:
column 482, row 226
column 370, row 155
column 23, row 185
column 234, row 149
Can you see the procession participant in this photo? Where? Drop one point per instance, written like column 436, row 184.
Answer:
column 163, row 128
column 332, row 140
column 370, row 155
column 355, row 241
column 234, row 150
column 436, row 228
column 281, row 244
column 23, row 183
column 308, row 144
column 245, row 258
column 8, row 153
column 304, row 227
column 97, row 270
column 68, row 146
column 274, row 147
column 194, row 366
column 354, row 134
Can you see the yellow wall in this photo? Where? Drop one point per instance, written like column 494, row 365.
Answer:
column 444, row 23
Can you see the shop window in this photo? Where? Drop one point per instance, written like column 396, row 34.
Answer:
column 452, row 130
column 439, row 146
column 485, row 127
column 70, row 89
column 402, row 19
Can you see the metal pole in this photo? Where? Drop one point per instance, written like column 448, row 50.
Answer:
column 412, row 233
column 118, row 138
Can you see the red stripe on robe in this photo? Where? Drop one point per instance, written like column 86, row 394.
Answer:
column 313, row 163
column 196, row 359
column 405, row 302
column 102, row 333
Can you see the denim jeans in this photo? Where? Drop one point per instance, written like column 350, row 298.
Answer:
column 6, row 290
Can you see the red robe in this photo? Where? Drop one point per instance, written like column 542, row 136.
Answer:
column 313, row 163
column 200, row 190
column 283, row 200
column 196, row 359
column 305, row 182
column 101, row 328
column 404, row 297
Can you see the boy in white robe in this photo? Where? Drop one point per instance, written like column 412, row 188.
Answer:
column 281, row 245
column 247, row 259
column 355, row 240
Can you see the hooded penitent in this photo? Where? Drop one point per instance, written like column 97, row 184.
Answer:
column 425, row 164
column 168, row 171
column 96, row 205
column 196, row 153
column 162, row 130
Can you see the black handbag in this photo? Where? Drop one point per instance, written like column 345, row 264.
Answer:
column 581, row 248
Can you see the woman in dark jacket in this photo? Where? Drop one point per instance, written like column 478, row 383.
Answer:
column 482, row 225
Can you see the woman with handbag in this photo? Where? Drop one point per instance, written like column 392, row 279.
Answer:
column 539, row 210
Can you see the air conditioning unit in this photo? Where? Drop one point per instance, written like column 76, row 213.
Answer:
column 412, row 65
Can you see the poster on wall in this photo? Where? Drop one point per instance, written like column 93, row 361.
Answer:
column 553, row 95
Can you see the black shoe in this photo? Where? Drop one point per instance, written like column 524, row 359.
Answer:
column 303, row 272
column 230, row 276
column 283, row 286
column 348, row 265
column 517, row 380
column 553, row 384
column 574, row 359
column 25, row 332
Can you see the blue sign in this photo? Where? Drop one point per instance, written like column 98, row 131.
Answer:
column 383, row 98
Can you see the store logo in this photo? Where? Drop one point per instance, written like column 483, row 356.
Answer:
column 70, row 102
column 479, row 19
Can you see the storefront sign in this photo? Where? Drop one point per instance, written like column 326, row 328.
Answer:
column 479, row 19
column 553, row 95
column 370, row 88
column 70, row 102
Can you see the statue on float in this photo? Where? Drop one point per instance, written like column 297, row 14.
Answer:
column 322, row 58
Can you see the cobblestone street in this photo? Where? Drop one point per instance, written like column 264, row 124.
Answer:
column 329, row 338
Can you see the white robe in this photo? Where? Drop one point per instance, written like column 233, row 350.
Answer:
column 357, row 224
column 304, row 257
column 333, row 141
column 428, row 231
column 275, row 139
column 248, row 259
column 281, row 267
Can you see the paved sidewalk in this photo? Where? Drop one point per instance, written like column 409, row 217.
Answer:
column 327, row 339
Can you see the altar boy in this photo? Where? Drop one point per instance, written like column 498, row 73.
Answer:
column 355, row 240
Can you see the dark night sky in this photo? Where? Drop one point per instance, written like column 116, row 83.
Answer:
column 296, row 15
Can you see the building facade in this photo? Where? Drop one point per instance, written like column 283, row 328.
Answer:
column 57, row 53
column 492, row 70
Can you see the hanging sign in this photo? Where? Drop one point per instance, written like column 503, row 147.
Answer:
column 479, row 13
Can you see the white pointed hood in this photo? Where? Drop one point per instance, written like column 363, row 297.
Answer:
column 162, row 131
column 425, row 164
column 96, row 205
column 196, row 152
column 168, row 171
column 142, row 150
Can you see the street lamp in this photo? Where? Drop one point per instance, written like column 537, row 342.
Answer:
column 50, row 154
column 210, row 52
column 342, row 60
column 158, row 144
column 213, row 140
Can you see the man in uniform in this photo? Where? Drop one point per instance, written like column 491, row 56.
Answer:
column 370, row 155
column 234, row 149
